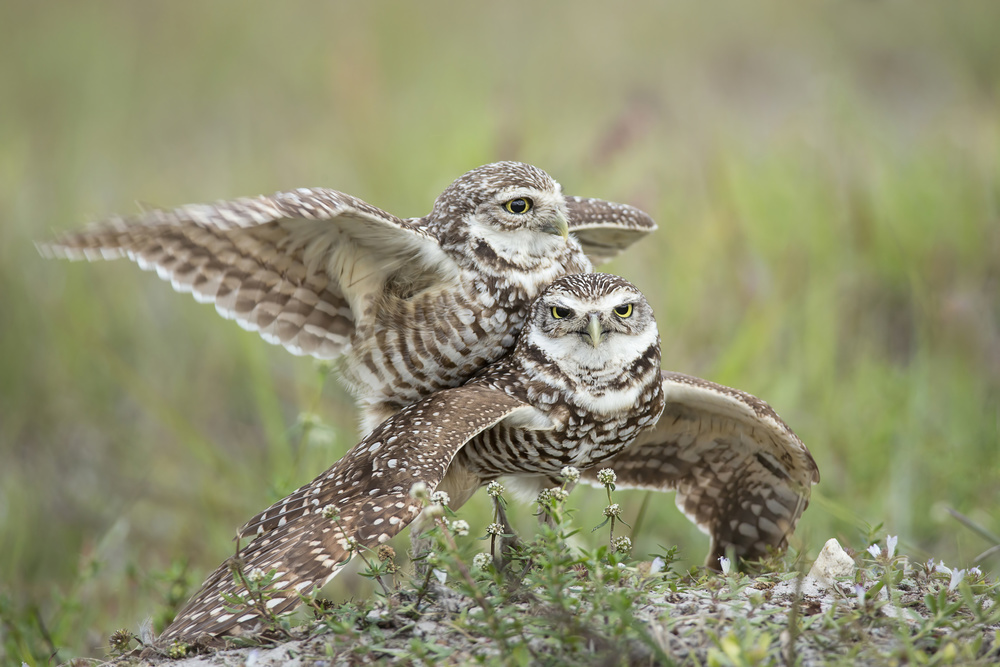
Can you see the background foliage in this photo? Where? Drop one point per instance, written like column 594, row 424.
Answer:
column 826, row 179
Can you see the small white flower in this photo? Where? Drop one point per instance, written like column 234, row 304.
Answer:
column 875, row 550
column 440, row 498
column 956, row 579
column 942, row 568
column 419, row 491
column 725, row 564
column 559, row 493
column 544, row 497
column 890, row 543
column 622, row 544
column 441, row 575
column 974, row 571
column 570, row 474
column 613, row 510
column 310, row 419
column 256, row 575
column 859, row 593
column 330, row 512
column 460, row 527
column 494, row 489
column 606, row 476
column 657, row 565
column 482, row 560
column 351, row 543
column 494, row 529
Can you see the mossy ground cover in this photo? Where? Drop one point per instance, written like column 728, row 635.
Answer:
column 552, row 603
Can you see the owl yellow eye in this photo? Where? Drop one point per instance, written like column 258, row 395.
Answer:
column 559, row 312
column 623, row 311
column 518, row 206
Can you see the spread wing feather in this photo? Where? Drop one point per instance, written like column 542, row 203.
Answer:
column 282, row 265
column 741, row 474
column 365, row 496
column 605, row 228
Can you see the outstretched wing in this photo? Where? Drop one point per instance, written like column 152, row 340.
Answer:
column 741, row 474
column 365, row 496
column 283, row 265
column 604, row 228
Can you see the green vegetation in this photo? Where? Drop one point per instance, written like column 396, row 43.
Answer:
column 550, row 603
column 826, row 179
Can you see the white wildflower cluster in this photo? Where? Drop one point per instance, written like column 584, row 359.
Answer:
column 622, row 545
column 613, row 510
column 351, row 543
column 956, row 575
column 494, row 489
column 330, row 512
column 606, row 476
column 558, row 493
column 482, row 561
column 310, row 419
column 890, row 543
column 494, row 529
column 256, row 575
column 570, row 474
column 440, row 498
column 544, row 497
column 419, row 491
column 459, row 527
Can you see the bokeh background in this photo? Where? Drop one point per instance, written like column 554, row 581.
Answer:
column 826, row 177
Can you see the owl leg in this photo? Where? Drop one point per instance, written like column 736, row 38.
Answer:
column 508, row 539
column 460, row 484
column 545, row 516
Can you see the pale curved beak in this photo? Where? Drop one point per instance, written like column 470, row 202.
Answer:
column 595, row 329
column 559, row 226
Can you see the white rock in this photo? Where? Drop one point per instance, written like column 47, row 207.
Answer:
column 832, row 562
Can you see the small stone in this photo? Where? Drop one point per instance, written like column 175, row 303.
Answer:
column 376, row 616
column 425, row 628
column 832, row 562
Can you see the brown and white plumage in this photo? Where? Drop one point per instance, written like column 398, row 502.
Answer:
column 582, row 382
column 411, row 306
column 740, row 473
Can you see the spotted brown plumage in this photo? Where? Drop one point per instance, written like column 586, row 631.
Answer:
column 410, row 306
column 740, row 473
column 582, row 382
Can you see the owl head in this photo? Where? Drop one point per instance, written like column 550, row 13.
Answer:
column 593, row 322
column 510, row 213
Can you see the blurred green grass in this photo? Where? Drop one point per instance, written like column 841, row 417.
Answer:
column 826, row 179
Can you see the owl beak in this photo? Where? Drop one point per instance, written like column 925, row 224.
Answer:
column 559, row 226
column 595, row 329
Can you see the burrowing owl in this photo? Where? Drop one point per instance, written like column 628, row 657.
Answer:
column 583, row 388
column 412, row 305
column 582, row 382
